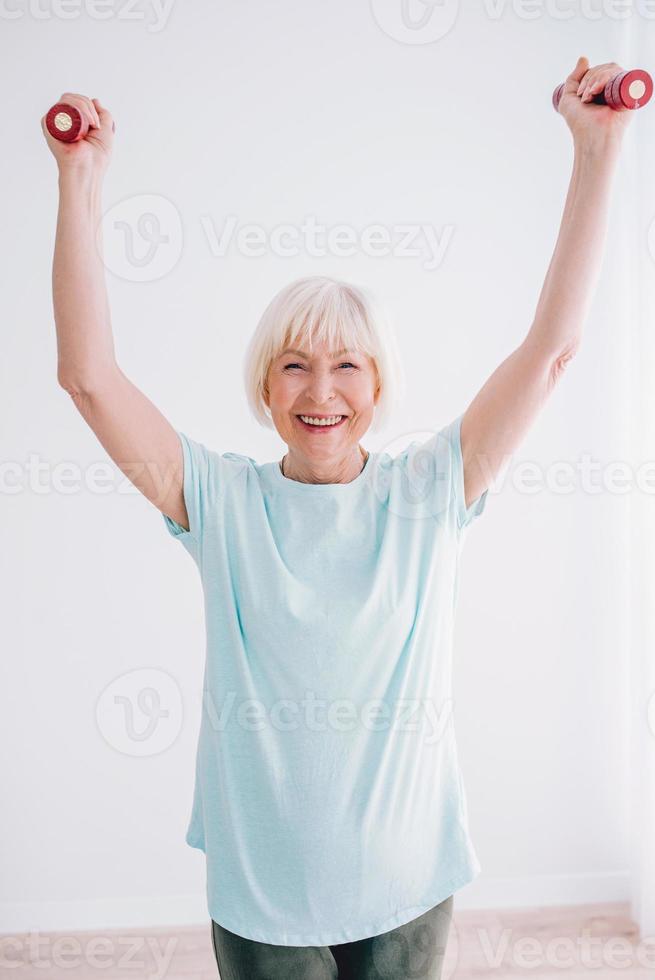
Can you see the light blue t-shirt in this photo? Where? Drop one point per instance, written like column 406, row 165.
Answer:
column 328, row 797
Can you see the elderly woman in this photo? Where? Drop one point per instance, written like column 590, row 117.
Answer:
column 328, row 798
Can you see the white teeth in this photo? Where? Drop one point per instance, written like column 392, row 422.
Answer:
column 332, row 420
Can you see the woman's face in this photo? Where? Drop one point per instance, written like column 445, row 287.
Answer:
column 322, row 385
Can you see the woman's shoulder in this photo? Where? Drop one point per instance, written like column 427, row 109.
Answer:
column 212, row 466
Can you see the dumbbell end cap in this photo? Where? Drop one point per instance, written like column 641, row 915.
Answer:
column 63, row 122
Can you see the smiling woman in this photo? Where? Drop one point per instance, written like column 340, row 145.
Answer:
column 322, row 368
column 319, row 579
column 339, row 317
column 319, row 574
column 330, row 582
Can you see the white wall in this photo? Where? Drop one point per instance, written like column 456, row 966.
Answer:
column 273, row 112
column 640, row 259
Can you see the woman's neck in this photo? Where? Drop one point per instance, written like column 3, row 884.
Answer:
column 343, row 471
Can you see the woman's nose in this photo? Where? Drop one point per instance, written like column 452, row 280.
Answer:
column 320, row 390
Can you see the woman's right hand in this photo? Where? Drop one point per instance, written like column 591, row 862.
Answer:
column 93, row 152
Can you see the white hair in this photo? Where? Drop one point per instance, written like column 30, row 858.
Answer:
column 320, row 309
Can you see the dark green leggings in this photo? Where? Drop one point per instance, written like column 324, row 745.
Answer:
column 413, row 951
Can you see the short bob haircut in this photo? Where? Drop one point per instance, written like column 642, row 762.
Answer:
column 319, row 309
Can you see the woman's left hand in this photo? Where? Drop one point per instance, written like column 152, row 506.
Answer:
column 587, row 120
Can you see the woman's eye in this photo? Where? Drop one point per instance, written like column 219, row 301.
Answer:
column 343, row 364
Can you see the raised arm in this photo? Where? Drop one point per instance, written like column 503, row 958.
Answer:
column 140, row 440
column 496, row 422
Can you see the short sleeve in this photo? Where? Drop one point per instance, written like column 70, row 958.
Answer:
column 199, row 492
column 433, row 479
column 464, row 516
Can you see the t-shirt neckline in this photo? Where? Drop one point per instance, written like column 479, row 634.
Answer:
column 340, row 488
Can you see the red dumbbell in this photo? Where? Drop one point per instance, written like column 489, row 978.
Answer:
column 66, row 123
column 627, row 90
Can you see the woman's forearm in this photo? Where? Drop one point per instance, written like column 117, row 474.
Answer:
column 85, row 345
column 574, row 268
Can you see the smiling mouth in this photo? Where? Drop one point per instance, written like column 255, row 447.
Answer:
column 321, row 428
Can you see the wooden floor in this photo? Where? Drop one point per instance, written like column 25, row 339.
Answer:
column 597, row 942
